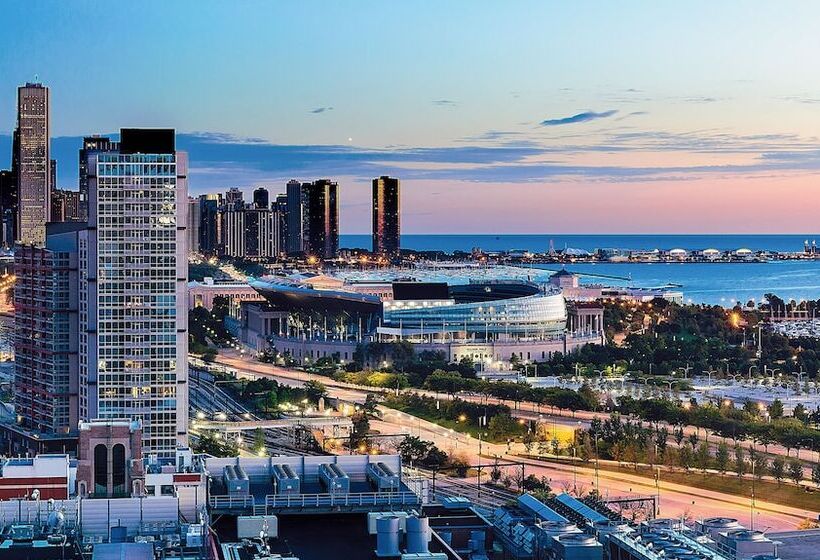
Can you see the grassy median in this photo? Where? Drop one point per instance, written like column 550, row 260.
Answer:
column 765, row 490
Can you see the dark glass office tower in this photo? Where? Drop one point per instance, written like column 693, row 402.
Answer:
column 261, row 198
column 209, row 223
column 8, row 207
column 386, row 216
column 281, row 206
column 91, row 144
column 322, row 240
column 296, row 210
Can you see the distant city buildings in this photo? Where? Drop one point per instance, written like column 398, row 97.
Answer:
column 91, row 144
column 322, row 235
column 386, row 216
column 32, row 164
column 261, row 198
column 296, row 206
column 65, row 206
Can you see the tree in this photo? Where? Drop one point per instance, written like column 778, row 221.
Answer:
column 259, row 440
column 414, row 450
column 815, row 474
column 370, row 406
column 495, row 474
column 528, row 440
column 450, row 382
column 686, row 457
column 679, row 435
column 795, row 470
column 761, row 465
column 502, row 425
column 211, row 444
column 722, row 457
column 702, row 456
column 360, row 429
column 778, row 469
column 740, row 461
column 315, row 390
column 776, row 409
column 532, row 483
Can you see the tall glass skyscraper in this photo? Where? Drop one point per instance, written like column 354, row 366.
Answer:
column 386, row 216
column 133, row 277
column 322, row 227
column 33, row 161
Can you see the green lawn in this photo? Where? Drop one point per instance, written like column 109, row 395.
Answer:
column 462, row 427
column 767, row 491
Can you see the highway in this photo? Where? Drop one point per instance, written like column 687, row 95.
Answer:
column 675, row 500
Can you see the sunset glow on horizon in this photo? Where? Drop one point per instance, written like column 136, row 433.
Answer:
column 540, row 117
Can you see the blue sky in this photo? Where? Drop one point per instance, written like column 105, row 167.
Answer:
column 570, row 117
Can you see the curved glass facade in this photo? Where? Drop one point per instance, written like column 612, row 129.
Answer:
column 542, row 314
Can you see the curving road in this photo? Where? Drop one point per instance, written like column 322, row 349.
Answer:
column 675, row 500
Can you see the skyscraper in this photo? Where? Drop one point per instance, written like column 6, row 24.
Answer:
column 386, row 216
column 296, row 193
column 261, row 198
column 90, row 144
column 232, row 232
column 322, row 228
column 8, row 207
column 46, row 330
column 133, row 308
column 234, row 198
column 281, row 206
column 209, row 223
column 65, row 205
column 33, row 159
column 261, row 233
column 194, row 220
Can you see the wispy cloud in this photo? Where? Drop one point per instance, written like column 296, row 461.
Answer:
column 219, row 160
column 318, row 110
column 445, row 102
column 579, row 118
column 632, row 114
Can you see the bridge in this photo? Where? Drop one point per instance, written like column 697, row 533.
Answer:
column 307, row 422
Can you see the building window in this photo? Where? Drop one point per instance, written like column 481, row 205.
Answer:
column 118, row 468
column 149, row 489
column 100, row 469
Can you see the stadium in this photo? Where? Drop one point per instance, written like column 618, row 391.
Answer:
column 491, row 321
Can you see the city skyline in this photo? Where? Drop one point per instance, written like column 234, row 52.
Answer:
column 535, row 113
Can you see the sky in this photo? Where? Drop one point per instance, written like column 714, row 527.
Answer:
column 499, row 117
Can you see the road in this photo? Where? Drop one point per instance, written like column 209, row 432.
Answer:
column 675, row 500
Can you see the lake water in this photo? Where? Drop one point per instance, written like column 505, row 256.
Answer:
column 541, row 242
column 714, row 283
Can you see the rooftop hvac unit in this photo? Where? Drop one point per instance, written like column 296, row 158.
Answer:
column 712, row 526
column 418, row 534
column 387, row 537
column 382, row 477
column 236, row 481
column 251, row 526
column 285, row 480
column 334, row 479
column 373, row 516
column 577, row 546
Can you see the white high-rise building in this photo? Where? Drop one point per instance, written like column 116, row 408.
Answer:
column 133, row 311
